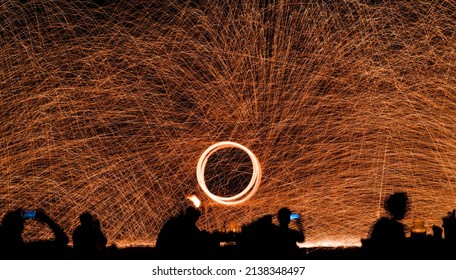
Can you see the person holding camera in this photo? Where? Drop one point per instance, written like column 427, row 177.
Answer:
column 287, row 238
column 12, row 245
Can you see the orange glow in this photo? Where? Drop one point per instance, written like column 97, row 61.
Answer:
column 249, row 190
column 108, row 108
column 193, row 198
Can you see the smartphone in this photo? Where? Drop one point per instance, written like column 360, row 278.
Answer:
column 294, row 216
column 29, row 215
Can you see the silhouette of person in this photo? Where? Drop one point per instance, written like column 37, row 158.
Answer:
column 89, row 242
column 286, row 238
column 449, row 227
column 388, row 233
column 11, row 243
column 256, row 238
column 437, row 232
column 14, row 247
column 181, row 238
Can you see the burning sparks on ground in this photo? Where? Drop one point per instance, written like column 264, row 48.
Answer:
column 108, row 107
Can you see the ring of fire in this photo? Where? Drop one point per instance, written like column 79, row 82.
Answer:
column 244, row 195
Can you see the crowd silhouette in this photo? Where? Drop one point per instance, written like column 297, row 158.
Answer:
column 263, row 238
column 88, row 240
column 388, row 239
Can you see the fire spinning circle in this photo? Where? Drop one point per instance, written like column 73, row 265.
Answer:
column 244, row 195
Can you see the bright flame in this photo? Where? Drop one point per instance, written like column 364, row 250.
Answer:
column 193, row 198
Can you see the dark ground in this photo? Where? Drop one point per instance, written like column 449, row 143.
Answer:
column 441, row 252
column 231, row 253
column 420, row 249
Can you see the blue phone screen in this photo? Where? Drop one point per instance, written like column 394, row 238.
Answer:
column 29, row 214
column 294, row 216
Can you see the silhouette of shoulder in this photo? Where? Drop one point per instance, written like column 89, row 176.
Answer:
column 388, row 230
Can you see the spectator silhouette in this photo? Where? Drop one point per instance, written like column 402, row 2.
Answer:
column 449, row 227
column 181, row 238
column 286, row 238
column 437, row 232
column 257, row 237
column 89, row 242
column 11, row 243
column 14, row 247
column 388, row 233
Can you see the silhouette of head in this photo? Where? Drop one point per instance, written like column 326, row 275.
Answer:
column 86, row 219
column 13, row 222
column 397, row 204
column 192, row 214
column 284, row 216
